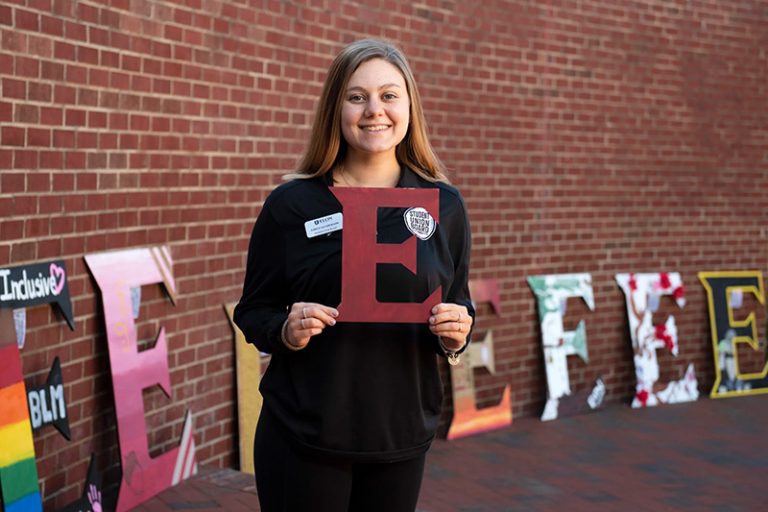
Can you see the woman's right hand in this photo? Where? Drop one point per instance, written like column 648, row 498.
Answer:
column 306, row 319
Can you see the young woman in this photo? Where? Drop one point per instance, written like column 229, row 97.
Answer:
column 350, row 409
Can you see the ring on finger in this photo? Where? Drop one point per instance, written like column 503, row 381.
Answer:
column 301, row 323
column 303, row 313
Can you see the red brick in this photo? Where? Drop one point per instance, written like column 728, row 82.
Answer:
column 64, row 51
column 51, row 160
column 52, row 70
column 86, row 140
column 74, row 160
column 140, row 122
column 12, row 229
column 87, row 55
column 87, row 13
column 118, row 121
column 63, row 182
column 86, row 181
column 28, row 114
column 36, row 228
column 12, row 182
column 64, row 94
column 98, row 77
column 39, row 92
column 161, row 86
column 75, row 31
column 120, row 40
column 141, row 83
column 6, row 15
column 27, row 67
column 26, row 20
column 51, row 116
column 51, row 25
column 12, row 136
column 172, row 32
column 38, row 137
column 97, row 119
column 14, row 88
column 74, row 117
column 6, row 61
column 14, row 41
column 110, row 59
column 63, row 138
column 97, row 161
column 108, row 140
column 40, row 46
column 6, row 111
column 23, row 251
column 76, row 74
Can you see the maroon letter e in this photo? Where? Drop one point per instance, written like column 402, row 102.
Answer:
column 360, row 253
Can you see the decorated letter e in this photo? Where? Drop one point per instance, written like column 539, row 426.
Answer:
column 116, row 273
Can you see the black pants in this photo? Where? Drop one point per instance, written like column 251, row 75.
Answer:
column 290, row 481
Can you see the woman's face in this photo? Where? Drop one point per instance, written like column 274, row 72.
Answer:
column 376, row 108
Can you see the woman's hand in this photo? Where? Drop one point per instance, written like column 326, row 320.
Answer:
column 306, row 319
column 452, row 323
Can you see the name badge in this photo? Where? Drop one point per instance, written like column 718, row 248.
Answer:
column 324, row 225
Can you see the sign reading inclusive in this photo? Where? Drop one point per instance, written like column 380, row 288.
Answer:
column 38, row 283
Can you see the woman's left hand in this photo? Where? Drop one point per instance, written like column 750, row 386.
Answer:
column 452, row 323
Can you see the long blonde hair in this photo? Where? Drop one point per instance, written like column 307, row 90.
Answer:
column 327, row 147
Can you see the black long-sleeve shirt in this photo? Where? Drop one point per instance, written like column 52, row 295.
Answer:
column 364, row 391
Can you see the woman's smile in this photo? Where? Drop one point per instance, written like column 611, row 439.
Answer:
column 375, row 127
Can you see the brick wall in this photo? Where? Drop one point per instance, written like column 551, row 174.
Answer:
column 586, row 136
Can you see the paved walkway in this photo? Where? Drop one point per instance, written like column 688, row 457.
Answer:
column 707, row 455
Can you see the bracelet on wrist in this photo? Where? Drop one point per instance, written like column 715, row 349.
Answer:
column 453, row 356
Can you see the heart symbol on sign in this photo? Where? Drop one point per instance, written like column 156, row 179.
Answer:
column 60, row 276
